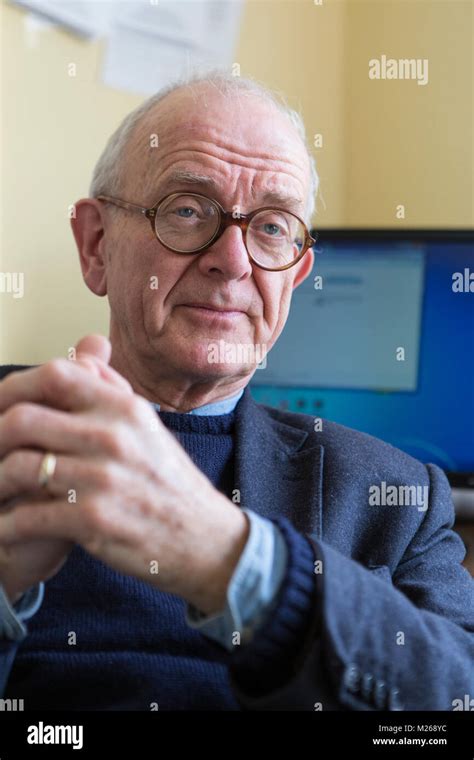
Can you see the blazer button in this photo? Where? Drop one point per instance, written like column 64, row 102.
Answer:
column 352, row 678
column 380, row 694
column 367, row 686
column 394, row 700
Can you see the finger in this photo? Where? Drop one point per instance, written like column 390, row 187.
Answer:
column 97, row 346
column 95, row 351
column 110, row 375
column 60, row 383
column 48, row 519
column 72, row 477
column 31, row 426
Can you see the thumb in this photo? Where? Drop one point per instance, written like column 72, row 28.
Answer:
column 93, row 352
column 97, row 346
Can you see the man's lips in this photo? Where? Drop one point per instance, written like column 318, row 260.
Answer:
column 210, row 308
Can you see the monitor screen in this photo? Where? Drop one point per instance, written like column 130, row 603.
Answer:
column 380, row 338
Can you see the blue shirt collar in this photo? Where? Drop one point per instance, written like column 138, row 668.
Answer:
column 225, row 406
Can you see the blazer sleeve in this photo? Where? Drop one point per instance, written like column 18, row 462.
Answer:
column 380, row 640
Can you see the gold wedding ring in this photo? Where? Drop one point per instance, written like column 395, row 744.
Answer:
column 47, row 468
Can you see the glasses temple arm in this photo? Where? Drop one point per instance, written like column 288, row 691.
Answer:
column 123, row 204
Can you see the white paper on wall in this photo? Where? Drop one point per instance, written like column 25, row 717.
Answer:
column 150, row 42
column 88, row 18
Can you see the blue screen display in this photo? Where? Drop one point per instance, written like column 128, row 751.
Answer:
column 383, row 342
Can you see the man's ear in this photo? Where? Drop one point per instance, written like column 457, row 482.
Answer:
column 88, row 230
column 303, row 269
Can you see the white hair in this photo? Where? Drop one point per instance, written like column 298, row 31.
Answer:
column 108, row 175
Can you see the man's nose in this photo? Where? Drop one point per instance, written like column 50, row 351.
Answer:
column 227, row 256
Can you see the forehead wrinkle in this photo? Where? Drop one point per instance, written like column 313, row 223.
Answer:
column 167, row 124
column 273, row 165
column 176, row 118
column 266, row 162
column 272, row 193
column 291, row 142
column 228, row 147
column 227, row 152
column 284, row 196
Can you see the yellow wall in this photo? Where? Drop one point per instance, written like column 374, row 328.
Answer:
column 384, row 143
column 407, row 143
column 298, row 48
column 54, row 126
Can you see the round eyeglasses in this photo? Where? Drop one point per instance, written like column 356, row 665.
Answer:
column 189, row 223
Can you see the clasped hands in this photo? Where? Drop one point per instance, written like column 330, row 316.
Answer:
column 123, row 488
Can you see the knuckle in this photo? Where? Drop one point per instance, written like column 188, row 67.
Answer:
column 105, row 477
column 89, row 513
column 11, row 378
column 15, row 463
column 113, row 443
column 89, row 364
column 55, row 374
column 18, row 418
column 97, row 520
column 23, row 524
column 131, row 407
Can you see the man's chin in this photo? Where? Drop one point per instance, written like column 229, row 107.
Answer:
column 210, row 355
column 209, row 371
column 204, row 366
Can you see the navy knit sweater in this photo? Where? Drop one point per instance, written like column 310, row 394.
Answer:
column 133, row 649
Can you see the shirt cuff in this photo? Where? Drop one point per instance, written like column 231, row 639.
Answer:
column 12, row 617
column 253, row 588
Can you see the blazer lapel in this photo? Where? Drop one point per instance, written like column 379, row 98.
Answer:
column 278, row 473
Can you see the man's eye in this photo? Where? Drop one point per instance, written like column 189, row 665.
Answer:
column 185, row 212
column 272, row 229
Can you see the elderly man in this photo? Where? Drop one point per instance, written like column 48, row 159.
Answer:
column 170, row 543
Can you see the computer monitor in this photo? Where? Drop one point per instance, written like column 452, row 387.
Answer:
column 380, row 338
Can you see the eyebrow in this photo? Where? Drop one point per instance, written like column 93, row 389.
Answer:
column 272, row 197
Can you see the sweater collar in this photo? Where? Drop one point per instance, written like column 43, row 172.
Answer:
column 225, row 406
